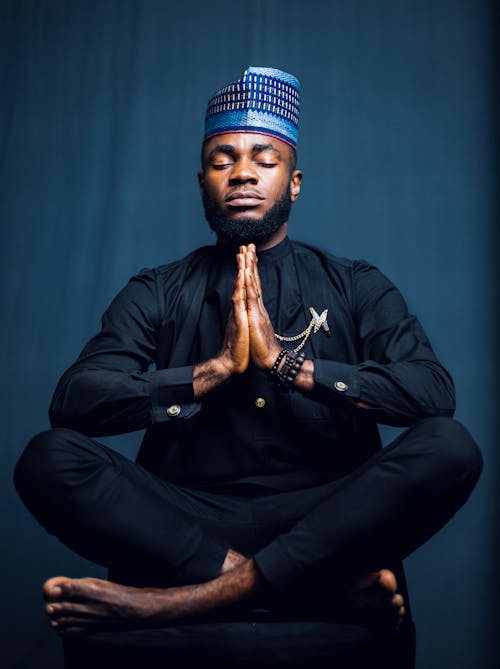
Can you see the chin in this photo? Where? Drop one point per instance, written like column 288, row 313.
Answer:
column 249, row 214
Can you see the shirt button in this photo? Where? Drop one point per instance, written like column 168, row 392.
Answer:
column 174, row 410
column 260, row 402
column 340, row 386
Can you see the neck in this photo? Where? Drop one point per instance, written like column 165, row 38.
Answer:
column 275, row 239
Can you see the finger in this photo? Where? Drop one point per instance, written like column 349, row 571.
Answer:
column 254, row 300
column 256, row 277
column 240, row 260
column 239, row 311
column 250, row 288
column 239, row 293
column 250, row 264
column 239, row 281
column 243, row 252
column 248, row 256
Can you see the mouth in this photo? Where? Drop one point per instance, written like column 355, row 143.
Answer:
column 244, row 198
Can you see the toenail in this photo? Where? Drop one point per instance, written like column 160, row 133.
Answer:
column 50, row 609
column 53, row 623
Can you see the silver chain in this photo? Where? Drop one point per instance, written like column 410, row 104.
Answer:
column 304, row 334
column 317, row 322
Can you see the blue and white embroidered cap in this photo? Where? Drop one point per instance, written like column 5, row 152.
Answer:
column 264, row 100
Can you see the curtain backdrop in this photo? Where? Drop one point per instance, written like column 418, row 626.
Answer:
column 102, row 106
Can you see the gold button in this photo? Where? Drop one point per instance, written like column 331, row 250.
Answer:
column 260, row 402
column 174, row 410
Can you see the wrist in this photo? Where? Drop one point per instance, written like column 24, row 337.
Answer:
column 278, row 363
column 271, row 359
column 286, row 376
column 207, row 376
column 224, row 367
column 305, row 378
column 290, row 369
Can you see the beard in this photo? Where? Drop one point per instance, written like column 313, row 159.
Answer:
column 248, row 230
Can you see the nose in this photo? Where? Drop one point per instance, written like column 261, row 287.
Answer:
column 243, row 171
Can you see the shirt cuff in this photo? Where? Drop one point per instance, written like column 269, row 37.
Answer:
column 339, row 378
column 172, row 394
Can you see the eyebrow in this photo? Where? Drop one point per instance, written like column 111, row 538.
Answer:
column 230, row 150
column 257, row 148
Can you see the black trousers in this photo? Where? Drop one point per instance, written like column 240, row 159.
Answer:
column 152, row 532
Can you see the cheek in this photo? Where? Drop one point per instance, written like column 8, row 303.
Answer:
column 278, row 182
column 277, row 187
column 212, row 188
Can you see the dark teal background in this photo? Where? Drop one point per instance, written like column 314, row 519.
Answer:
column 102, row 106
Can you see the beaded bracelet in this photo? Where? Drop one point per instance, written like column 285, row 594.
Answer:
column 274, row 370
column 291, row 368
column 285, row 378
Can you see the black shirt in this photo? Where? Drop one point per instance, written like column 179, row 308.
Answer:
column 173, row 317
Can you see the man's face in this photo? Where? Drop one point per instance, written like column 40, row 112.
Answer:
column 248, row 184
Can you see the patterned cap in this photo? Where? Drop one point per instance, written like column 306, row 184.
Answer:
column 263, row 100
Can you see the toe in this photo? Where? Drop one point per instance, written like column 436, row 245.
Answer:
column 54, row 588
column 387, row 580
column 60, row 610
column 71, row 630
column 397, row 601
column 68, row 626
column 50, row 610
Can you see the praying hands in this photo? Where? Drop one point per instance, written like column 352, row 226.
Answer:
column 249, row 336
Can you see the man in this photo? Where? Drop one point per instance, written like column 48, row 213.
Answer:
column 261, row 480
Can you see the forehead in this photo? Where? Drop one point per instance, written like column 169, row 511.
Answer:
column 245, row 142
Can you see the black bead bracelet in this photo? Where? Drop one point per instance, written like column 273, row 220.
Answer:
column 274, row 370
column 285, row 378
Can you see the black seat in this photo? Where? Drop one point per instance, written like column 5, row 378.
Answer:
column 248, row 644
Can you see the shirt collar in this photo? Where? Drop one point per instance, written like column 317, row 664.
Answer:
column 271, row 255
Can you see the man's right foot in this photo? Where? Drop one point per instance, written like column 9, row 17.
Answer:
column 88, row 604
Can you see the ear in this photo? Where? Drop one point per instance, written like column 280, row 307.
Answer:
column 295, row 183
column 201, row 182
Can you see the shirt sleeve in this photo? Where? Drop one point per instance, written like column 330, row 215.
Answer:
column 110, row 390
column 398, row 375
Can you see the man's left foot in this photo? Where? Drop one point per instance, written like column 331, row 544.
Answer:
column 374, row 599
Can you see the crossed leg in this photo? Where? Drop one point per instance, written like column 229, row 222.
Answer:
column 448, row 466
column 80, row 605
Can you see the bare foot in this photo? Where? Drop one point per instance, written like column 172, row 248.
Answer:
column 374, row 599
column 89, row 604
